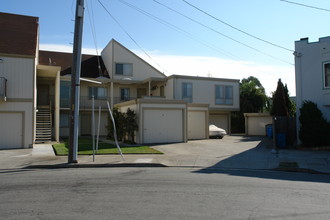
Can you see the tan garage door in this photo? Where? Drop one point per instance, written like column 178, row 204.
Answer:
column 196, row 125
column 11, row 127
column 219, row 120
column 162, row 125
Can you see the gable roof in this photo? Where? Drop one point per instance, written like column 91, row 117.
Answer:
column 89, row 63
column 19, row 34
column 138, row 57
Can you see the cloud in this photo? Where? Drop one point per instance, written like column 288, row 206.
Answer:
column 208, row 67
column 224, row 68
column 66, row 48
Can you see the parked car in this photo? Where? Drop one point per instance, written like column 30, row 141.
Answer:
column 216, row 132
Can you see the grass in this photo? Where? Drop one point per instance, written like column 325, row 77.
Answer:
column 85, row 147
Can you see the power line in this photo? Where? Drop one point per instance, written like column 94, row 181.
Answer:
column 212, row 29
column 180, row 30
column 92, row 23
column 235, row 28
column 308, row 6
column 126, row 32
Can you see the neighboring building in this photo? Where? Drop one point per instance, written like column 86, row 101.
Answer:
column 312, row 65
column 35, row 90
column 18, row 68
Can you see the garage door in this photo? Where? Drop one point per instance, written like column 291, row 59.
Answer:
column 196, row 125
column 162, row 126
column 11, row 130
column 220, row 120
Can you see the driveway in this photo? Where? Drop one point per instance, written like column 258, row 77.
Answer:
column 231, row 151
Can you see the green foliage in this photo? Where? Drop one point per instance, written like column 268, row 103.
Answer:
column 252, row 95
column 314, row 129
column 252, row 100
column 280, row 103
column 126, row 125
column 291, row 105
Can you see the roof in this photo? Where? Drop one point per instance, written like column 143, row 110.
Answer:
column 202, row 78
column 89, row 64
column 19, row 34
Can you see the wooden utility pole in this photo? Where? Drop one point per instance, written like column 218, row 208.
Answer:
column 75, row 82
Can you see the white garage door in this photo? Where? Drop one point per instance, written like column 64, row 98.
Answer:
column 220, row 120
column 196, row 125
column 162, row 126
column 11, row 130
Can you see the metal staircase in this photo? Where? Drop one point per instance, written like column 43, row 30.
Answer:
column 43, row 125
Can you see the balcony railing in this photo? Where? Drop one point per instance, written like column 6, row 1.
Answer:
column 86, row 102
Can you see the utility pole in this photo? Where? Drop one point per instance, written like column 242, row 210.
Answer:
column 75, row 82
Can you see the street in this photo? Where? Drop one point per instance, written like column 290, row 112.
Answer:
column 162, row 193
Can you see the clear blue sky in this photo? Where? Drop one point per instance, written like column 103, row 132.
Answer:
column 276, row 21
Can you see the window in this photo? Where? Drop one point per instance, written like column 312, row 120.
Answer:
column 327, row 75
column 125, row 69
column 98, row 92
column 187, row 92
column 64, row 120
column 124, row 94
column 65, row 91
column 223, row 95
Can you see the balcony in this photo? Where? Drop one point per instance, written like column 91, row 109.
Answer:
column 86, row 102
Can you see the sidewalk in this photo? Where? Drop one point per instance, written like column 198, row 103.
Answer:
column 232, row 152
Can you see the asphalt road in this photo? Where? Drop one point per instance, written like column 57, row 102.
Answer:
column 162, row 193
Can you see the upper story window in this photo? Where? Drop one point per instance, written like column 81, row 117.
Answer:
column 327, row 75
column 125, row 69
column 187, row 92
column 124, row 94
column 223, row 95
column 97, row 92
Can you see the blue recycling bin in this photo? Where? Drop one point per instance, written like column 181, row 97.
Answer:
column 269, row 130
column 281, row 140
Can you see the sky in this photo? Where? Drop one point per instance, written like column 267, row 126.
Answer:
column 213, row 38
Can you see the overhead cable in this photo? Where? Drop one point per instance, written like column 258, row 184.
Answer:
column 129, row 35
column 235, row 28
column 212, row 29
column 308, row 6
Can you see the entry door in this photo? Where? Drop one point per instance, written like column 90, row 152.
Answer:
column 43, row 95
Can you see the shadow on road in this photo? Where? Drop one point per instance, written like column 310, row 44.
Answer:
column 255, row 161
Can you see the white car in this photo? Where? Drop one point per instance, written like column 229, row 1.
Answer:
column 216, row 132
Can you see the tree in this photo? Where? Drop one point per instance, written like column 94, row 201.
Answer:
column 252, row 95
column 280, row 105
column 126, row 125
column 130, row 124
column 252, row 99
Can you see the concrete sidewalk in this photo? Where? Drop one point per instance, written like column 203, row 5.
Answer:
column 232, row 152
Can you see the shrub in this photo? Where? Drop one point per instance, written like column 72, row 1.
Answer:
column 314, row 129
column 126, row 125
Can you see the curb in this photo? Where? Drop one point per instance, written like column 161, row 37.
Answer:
column 66, row 165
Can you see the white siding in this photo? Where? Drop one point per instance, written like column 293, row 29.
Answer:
column 204, row 91
column 309, row 61
column 19, row 73
column 116, row 53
